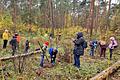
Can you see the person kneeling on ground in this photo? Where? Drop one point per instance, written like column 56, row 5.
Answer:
column 79, row 45
column 13, row 44
column 53, row 52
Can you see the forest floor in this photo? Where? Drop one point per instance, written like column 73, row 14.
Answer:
column 90, row 66
column 116, row 75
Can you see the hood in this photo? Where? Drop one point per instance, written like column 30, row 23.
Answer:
column 79, row 35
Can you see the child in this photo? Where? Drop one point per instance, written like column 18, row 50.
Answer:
column 44, row 48
column 13, row 43
column 27, row 46
column 53, row 52
column 93, row 45
column 113, row 44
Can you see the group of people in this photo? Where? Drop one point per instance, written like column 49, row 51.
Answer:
column 103, row 46
column 52, row 52
column 79, row 45
column 14, row 42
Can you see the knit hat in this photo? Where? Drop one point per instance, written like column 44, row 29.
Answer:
column 46, row 43
column 16, row 34
column 112, row 38
column 6, row 30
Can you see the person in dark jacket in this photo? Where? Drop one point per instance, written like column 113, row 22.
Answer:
column 13, row 44
column 27, row 46
column 79, row 46
column 93, row 46
column 44, row 48
column 53, row 52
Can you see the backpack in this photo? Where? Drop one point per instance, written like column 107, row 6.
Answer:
column 115, row 45
column 85, row 44
column 91, row 43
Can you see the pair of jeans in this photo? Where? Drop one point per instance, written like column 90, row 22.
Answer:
column 77, row 60
column 14, row 50
column 26, row 49
column 5, row 43
column 111, row 52
column 53, row 60
column 103, row 52
column 42, row 60
column 92, row 52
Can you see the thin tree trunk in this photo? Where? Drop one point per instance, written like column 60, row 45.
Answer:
column 51, row 16
column 97, row 17
column 91, row 17
column 74, row 13
column 108, row 14
column 14, row 15
column 104, row 14
column 29, row 8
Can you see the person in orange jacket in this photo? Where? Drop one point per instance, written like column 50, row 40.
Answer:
column 18, row 39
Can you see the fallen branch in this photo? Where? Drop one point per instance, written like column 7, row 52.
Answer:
column 19, row 56
column 104, row 74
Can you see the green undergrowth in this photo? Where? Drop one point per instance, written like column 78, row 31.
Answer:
column 90, row 66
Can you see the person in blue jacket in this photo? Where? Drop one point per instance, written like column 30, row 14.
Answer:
column 53, row 52
column 79, row 45
column 93, row 46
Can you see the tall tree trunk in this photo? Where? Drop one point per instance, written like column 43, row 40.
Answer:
column 97, row 17
column 91, row 17
column 108, row 14
column 51, row 16
column 74, row 13
column 29, row 16
column 104, row 14
column 14, row 14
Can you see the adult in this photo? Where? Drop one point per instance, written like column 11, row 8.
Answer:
column 13, row 44
column 112, row 45
column 53, row 52
column 93, row 46
column 79, row 46
column 103, row 46
column 44, row 49
column 18, row 39
column 5, row 37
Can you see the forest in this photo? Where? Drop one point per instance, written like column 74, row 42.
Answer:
column 58, row 25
